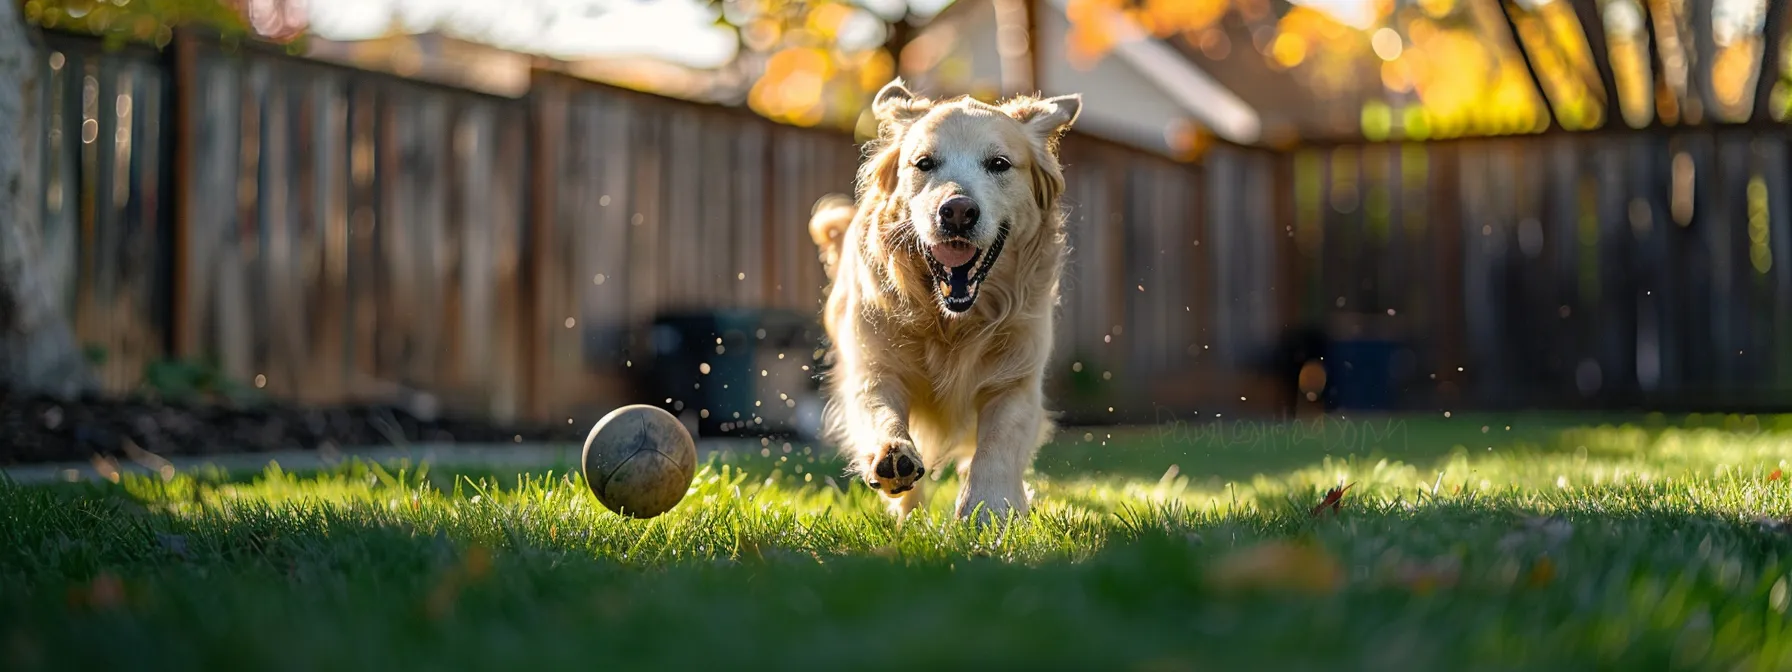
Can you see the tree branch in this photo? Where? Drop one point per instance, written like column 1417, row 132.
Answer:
column 1523, row 53
column 1658, row 76
column 1698, row 74
column 1593, row 27
column 1773, row 32
column 1014, row 45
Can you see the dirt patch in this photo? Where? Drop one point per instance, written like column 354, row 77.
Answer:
column 44, row 429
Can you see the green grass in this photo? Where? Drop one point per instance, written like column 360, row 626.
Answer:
column 1549, row 545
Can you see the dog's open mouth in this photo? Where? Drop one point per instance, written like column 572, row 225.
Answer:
column 959, row 269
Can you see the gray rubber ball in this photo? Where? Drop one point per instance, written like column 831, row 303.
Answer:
column 639, row 461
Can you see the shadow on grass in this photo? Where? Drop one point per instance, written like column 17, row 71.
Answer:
column 1621, row 581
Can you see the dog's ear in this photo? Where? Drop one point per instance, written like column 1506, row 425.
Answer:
column 1048, row 182
column 1047, row 119
column 880, row 171
column 896, row 104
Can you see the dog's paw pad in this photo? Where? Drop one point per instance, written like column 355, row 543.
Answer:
column 895, row 468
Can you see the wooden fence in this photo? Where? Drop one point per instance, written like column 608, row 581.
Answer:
column 335, row 235
column 107, row 156
column 1624, row 269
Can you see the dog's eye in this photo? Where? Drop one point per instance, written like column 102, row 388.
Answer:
column 925, row 164
column 997, row 165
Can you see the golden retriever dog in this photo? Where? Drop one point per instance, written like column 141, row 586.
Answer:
column 942, row 282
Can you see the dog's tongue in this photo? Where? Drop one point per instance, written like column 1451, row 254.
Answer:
column 953, row 254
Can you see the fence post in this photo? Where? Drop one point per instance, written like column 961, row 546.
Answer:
column 182, row 340
column 547, row 115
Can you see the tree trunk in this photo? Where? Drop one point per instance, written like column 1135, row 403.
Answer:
column 38, row 353
column 1014, row 44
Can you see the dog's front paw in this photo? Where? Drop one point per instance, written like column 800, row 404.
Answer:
column 894, row 468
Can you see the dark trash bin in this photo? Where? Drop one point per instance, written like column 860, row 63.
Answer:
column 1361, row 375
column 737, row 372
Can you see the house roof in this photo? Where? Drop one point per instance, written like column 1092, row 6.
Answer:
column 1150, row 96
column 1211, row 103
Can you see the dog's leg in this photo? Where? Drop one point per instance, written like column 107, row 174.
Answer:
column 908, row 501
column 885, row 454
column 1008, row 433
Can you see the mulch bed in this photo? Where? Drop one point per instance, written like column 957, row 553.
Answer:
column 43, row 429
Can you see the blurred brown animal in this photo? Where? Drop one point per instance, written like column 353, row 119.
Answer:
column 943, row 282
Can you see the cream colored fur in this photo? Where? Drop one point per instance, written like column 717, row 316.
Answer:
column 914, row 384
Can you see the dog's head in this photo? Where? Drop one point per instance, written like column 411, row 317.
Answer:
column 964, row 178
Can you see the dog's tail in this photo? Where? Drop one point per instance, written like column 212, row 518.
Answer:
column 827, row 226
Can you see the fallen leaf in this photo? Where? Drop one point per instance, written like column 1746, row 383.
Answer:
column 1774, row 476
column 1277, row 565
column 1541, row 573
column 478, row 562
column 1424, row 577
column 440, row 603
column 1333, row 499
column 103, row 592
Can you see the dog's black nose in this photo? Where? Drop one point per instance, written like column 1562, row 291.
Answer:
column 958, row 216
